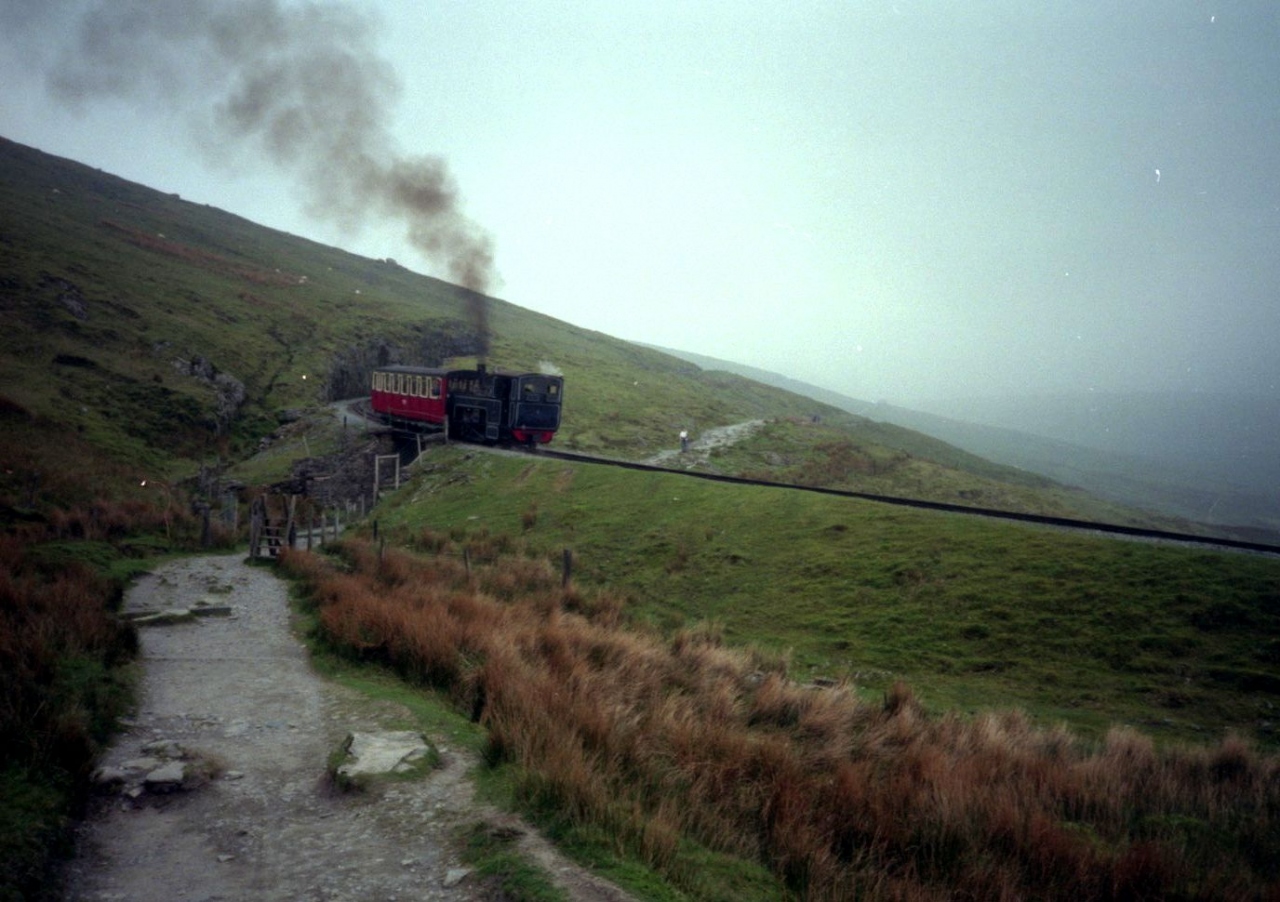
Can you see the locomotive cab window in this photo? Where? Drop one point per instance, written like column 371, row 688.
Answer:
column 540, row 388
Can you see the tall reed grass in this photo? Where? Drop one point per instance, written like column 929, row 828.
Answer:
column 661, row 739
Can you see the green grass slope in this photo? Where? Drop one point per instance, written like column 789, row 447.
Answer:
column 158, row 333
column 130, row 312
column 855, row 454
column 972, row 613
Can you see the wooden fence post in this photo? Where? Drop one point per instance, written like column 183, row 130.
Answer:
column 290, row 530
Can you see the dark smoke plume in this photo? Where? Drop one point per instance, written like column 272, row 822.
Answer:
column 299, row 81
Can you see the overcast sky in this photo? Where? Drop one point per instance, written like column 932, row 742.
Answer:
column 895, row 199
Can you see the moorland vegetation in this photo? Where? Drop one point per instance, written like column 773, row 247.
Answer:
column 66, row 665
column 714, row 767
column 837, row 688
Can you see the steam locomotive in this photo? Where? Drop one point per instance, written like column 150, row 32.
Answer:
column 476, row 405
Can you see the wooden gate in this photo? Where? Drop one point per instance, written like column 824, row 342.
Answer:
column 271, row 525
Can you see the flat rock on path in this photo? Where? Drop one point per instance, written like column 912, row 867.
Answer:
column 253, row 815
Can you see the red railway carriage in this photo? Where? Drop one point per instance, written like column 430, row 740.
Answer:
column 410, row 393
column 479, row 405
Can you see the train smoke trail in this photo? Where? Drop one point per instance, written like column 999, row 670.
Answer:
column 299, row 82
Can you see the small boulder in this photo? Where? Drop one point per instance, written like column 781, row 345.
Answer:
column 166, row 778
column 163, row 618
column 454, row 876
column 108, row 777
column 164, row 748
column 372, row 754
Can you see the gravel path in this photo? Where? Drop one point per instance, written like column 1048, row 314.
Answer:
column 702, row 445
column 255, row 816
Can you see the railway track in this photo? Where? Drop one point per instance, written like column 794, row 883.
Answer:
column 1114, row 529
column 1136, row 532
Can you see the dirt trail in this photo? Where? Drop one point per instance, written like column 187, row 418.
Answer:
column 702, row 445
column 236, row 693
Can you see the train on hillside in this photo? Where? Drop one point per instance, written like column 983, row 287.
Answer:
column 473, row 405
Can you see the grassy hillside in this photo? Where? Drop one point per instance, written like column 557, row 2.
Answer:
column 1205, row 489
column 133, row 315
column 706, row 763
column 147, row 337
column 118, row 296
column 856, row 454
column 971, row 613
column 162, row 334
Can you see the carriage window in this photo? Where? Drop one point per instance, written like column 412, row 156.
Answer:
column 417, row 387
column 435, row 387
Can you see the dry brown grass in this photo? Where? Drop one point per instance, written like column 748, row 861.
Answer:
column 62, row 649
column 57, row 640
column 655, row 739
column 206, row 259
column 60, row 692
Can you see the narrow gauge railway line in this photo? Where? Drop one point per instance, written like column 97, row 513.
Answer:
column 1136, row 532
column 1133, row 532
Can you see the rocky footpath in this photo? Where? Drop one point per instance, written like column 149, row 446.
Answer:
column 220, row 788
column 700, row 447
